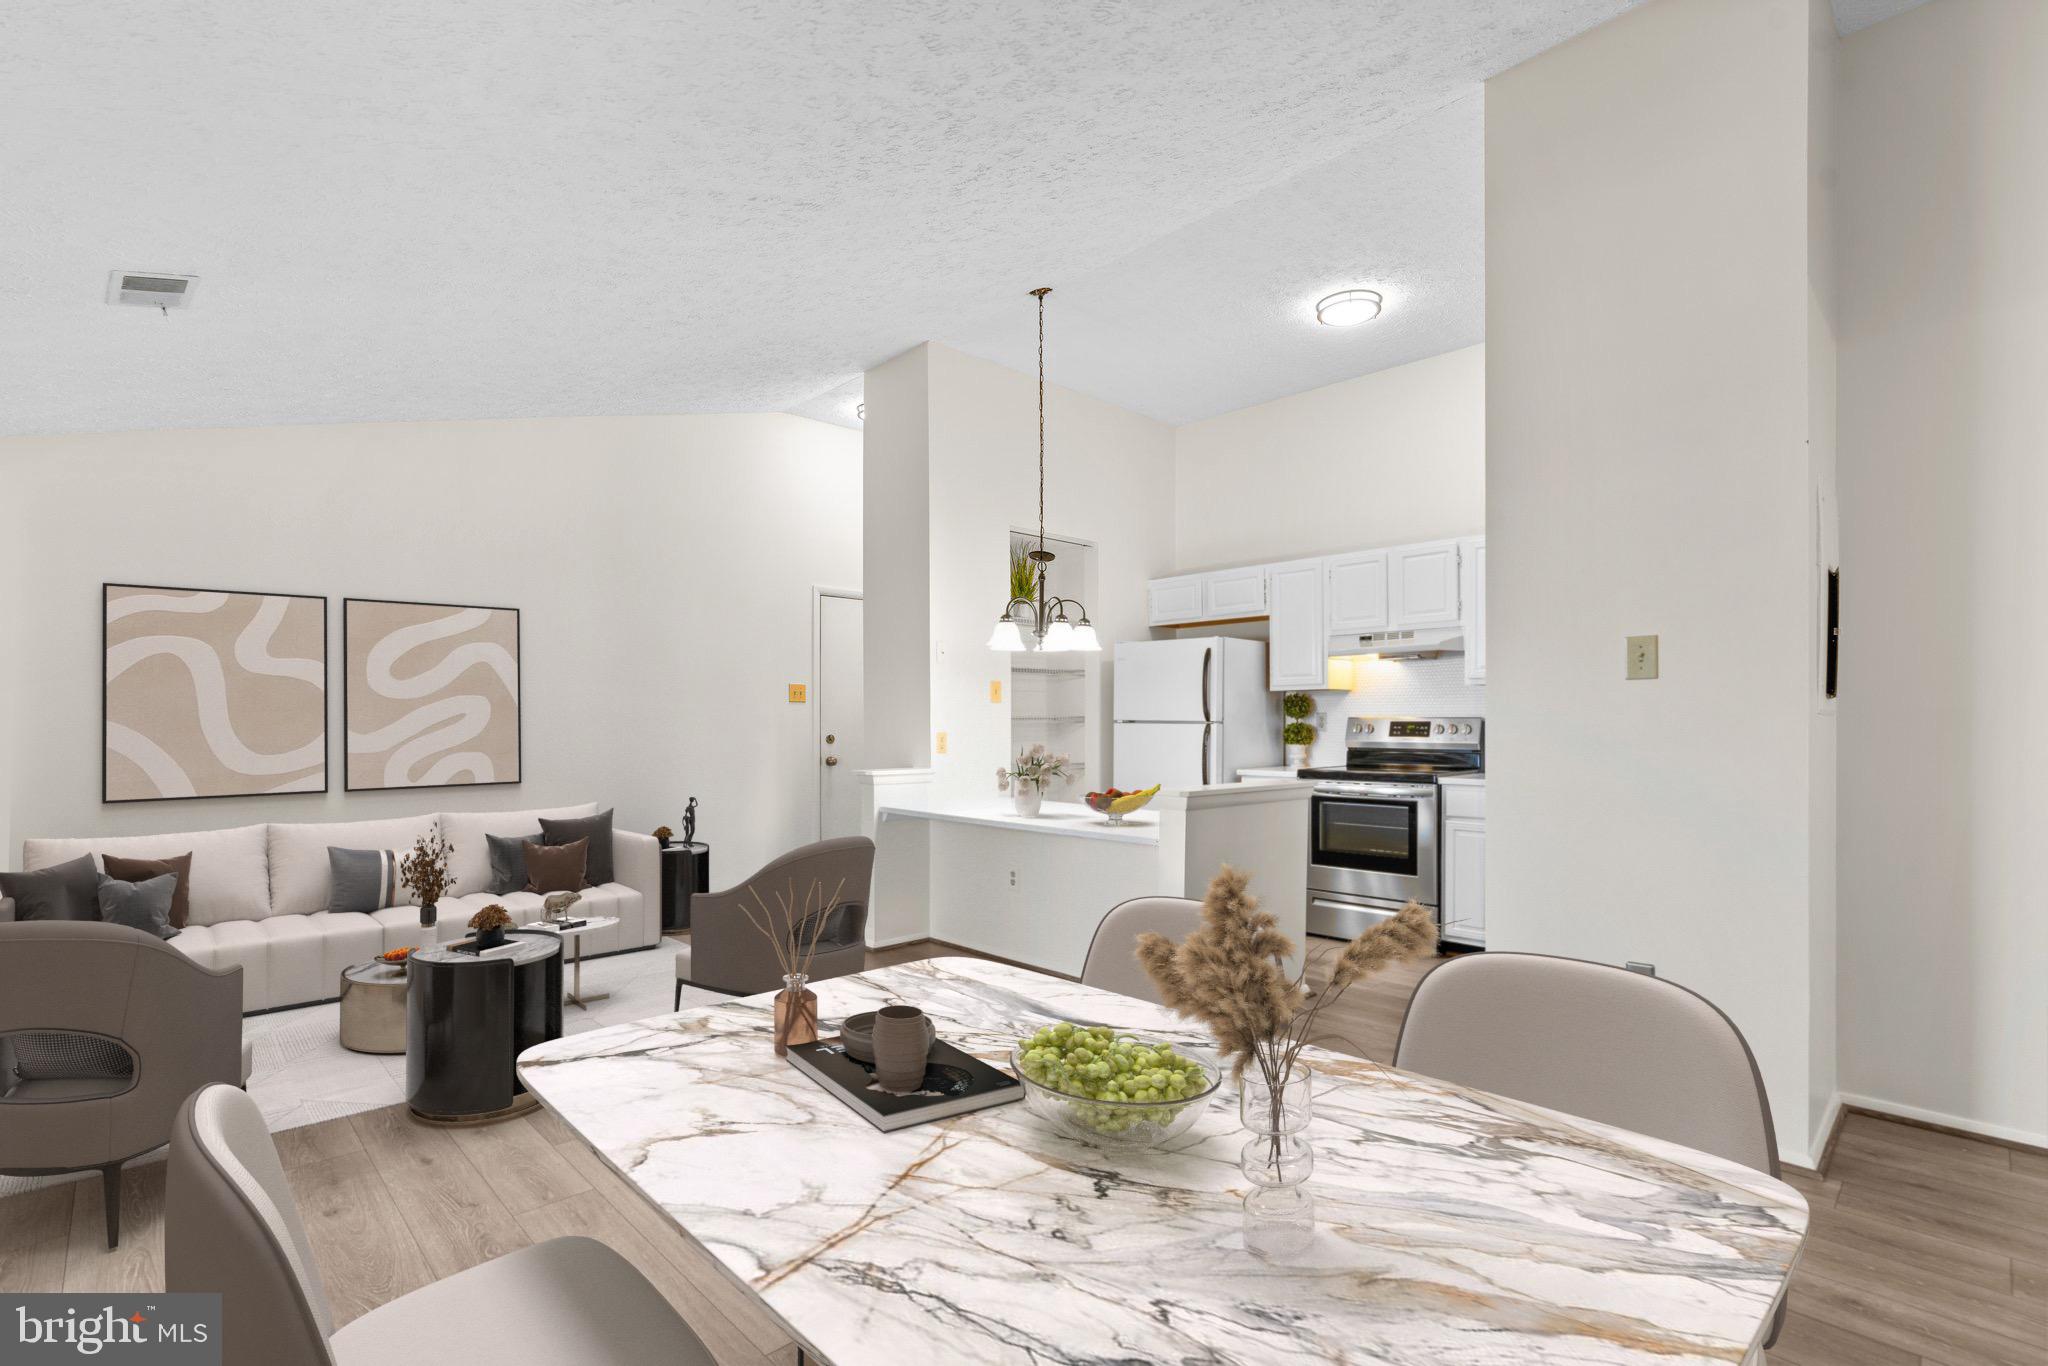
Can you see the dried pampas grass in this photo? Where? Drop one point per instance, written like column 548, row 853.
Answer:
column 1230, row 974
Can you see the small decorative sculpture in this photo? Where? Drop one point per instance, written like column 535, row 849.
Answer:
column 690, row 822
column 557, row 904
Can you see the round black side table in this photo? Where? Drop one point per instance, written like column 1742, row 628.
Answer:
column 468, row 1018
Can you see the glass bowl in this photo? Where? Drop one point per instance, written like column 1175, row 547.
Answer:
column 1117, row 1123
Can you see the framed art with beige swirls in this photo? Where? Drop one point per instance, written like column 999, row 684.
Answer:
column 208, row 693
column 430, row 695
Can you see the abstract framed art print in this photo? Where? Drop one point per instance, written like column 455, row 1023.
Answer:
column 208, row 693
column 430, row 694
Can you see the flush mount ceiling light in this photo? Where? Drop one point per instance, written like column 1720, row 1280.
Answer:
column 1348, row 307
column 1051, row 631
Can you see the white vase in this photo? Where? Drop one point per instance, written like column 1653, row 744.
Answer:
column 1026, row 796
column 1297, row 756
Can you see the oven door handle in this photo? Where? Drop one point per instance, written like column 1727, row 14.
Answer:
column 1398, row 793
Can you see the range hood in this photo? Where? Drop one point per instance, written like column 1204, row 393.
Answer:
column 1428, row 643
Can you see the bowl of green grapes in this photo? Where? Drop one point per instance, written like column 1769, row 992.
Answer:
column 1092, row 1083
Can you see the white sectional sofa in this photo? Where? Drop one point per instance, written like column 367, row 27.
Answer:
column 259, row 894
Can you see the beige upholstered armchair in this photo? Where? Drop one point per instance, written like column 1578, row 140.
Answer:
column 104, row 1031
column 727, row 951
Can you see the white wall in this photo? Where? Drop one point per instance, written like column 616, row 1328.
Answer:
column 1385, row 459
column 1109, row 483
column 1943, row 136
column 662, row 566
column 896, row 621
column 1648, row 419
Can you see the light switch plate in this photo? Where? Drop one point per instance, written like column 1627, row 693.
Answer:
column 1642, row 657
column 995, row 690
column 939, row 745
column 798, row 691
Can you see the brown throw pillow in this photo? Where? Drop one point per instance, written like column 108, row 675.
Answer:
column 143, row 869
column 555, row 867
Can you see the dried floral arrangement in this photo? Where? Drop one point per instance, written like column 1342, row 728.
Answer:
column 802, row 924
column 491, row 917
column 424, row 872
column 662, row 832
column 1230, row 974
column 1036, row 766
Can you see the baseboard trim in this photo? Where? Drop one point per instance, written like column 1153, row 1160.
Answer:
column 1831, row 1127
column 2004, row 1135
column 900, row 941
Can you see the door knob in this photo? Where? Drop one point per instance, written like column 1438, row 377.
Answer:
column 831, row 739
column 831, row 760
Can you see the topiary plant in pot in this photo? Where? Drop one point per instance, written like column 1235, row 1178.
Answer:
column 1297, row 734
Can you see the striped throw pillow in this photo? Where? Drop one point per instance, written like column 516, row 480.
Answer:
column 364, row 880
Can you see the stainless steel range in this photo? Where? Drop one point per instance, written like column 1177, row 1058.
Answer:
column 1373, row 823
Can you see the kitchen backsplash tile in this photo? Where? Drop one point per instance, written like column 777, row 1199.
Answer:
column 1395, row 687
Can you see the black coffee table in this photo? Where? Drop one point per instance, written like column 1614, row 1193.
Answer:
column 469, row 1017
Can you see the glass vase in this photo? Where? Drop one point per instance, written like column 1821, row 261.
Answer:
column 1279, row 1210
column 796, row 1014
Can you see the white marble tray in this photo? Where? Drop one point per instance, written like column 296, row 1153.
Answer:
column 1456, row 1227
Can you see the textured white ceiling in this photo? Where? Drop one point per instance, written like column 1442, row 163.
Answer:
column 409, row 209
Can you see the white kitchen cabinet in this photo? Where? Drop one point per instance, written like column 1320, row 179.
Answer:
column 1422, row 585
column 1356, row 586
column 1176, row 600
column 1472, row 588
column 1463, row 888
column 1234, row 593
column 1297, row 649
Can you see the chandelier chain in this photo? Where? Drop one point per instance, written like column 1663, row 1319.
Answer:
column 1041, row 425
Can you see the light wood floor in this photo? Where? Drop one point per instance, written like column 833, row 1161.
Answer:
column 1927, row 1249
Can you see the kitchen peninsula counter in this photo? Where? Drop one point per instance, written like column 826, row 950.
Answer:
column 1032, row 890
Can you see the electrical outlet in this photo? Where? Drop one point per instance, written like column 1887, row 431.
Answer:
column 1642, row 657
column 798, row 691
column 1013, row 877
column 995, row 690
column 939, row 744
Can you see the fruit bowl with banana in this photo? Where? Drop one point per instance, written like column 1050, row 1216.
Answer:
column 1117, row 804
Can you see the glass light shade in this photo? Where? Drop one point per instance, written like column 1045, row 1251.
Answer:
column 1084, row 638
column 1348, row 307
column 1058, row 637
column 1006, row 637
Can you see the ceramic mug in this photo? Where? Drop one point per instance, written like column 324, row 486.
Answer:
column 901, row 1043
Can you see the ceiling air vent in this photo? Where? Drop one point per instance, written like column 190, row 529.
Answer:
column 150, row 289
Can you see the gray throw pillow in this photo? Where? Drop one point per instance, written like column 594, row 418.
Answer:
column 508, row 863
column 140, row 905
column 63, row 891
column 362, row 880
column 597, row 867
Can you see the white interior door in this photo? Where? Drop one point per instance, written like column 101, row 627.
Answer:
column 839, row 714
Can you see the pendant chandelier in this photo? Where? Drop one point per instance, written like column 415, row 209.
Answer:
column 1052, row 628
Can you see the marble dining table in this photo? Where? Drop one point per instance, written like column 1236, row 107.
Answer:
column 1454, row 1227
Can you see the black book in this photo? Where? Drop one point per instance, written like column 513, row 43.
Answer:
column 954, row 1083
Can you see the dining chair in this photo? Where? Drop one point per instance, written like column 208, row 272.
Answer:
column 232, row 1228
column 104, row 1031
column 727, row 951
column 1597, row 1041
column 1112, row 961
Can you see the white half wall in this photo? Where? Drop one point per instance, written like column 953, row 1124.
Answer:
column 1944, row 981
column 662, row 565
column 1648, row 420
column 1109, row 484
column 1389, row 458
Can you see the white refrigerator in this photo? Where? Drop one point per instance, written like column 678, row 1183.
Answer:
column 1191, row 712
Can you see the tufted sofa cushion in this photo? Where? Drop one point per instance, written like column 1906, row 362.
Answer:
column 299, row 872
column 230, row 874
column 471, row 861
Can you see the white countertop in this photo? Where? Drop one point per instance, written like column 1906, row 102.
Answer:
column 1264, row 774
column 1054, row 818
column 1462, row 780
